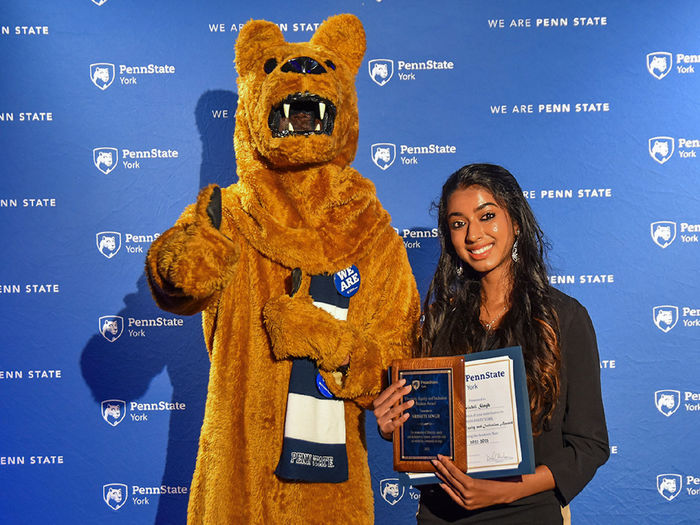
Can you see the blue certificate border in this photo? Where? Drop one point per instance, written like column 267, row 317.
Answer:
column 527, row 465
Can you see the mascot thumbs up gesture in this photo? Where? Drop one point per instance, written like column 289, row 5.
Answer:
column 305, row 291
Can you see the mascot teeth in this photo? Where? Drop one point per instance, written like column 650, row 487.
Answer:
column 302, row 114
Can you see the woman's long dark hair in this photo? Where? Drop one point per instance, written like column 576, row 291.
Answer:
column 453, row 303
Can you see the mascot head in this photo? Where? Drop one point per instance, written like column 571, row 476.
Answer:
column 297, row 104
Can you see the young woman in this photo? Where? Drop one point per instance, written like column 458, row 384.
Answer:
column 490, row 290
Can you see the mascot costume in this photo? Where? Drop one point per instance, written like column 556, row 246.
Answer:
column 305, row 291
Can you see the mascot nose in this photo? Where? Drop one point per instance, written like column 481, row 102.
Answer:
column 303, row 65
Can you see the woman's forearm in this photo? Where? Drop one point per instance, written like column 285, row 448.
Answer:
column 541, row 481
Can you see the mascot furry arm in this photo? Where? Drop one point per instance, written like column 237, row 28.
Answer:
column 299, row 210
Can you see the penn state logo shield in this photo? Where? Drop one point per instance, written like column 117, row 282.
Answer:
column 111, row 327
column 665, row 317
column 381, row 70
column 115, row 495
column 661, row 148
column 659, row 64
column 663, row 233
column 99, row 2
column 109, row 243
column 669, row 485
column 105, row 159
column 391, row 490
column 667, row 401
column 102, row 74
column 113, row 411
column 383, row 154
column 415, row 384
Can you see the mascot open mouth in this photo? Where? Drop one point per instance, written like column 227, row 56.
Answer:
column 302, row 114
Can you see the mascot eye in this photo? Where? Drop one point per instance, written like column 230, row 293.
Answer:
column 270, row 65
column 330, row 64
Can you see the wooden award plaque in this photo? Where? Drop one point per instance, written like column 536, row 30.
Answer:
column 438, row 419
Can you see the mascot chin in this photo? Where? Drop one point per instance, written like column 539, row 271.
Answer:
column 305, row 291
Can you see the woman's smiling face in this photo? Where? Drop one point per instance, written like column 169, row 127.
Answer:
column 481, row 231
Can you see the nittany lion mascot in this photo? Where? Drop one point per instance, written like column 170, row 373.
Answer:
column 305, row 289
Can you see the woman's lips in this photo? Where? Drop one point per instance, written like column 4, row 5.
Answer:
column 480, row 253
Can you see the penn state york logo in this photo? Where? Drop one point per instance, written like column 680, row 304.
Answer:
column 115, row 495
column 667, row 401
column 105, row 159
column 663, row 233
column 659, row 64
column 113, row 411
column 381, row 70
column 111, row 327
column 669, row 485
column 108, row 243
column 383, row 154
column 391, row 490
column 661, row 148
column 102, row 74
column 665, row 317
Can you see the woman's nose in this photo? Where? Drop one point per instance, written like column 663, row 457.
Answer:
column 474, row 232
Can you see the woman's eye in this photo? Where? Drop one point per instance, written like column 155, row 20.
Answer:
column 456, row 224
column 488, row 216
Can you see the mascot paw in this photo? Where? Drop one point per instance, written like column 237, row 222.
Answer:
column 298, row 329
column 281, row 316
column 198, row 258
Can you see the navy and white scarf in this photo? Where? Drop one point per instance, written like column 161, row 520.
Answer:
column 313, row 448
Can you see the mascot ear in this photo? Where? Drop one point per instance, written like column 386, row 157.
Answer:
column 254, row 38
column 345, row 36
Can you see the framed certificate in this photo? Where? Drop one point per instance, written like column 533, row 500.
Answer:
column 494, row 413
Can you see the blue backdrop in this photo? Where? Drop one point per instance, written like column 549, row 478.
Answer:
column 114, row 112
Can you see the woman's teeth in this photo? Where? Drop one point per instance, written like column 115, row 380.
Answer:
column 481, row 250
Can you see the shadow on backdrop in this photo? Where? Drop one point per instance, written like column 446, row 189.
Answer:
column 125, row 371
column 216, row 133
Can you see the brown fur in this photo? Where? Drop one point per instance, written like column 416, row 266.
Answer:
column 298, row 203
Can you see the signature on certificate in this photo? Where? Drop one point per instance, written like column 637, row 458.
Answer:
column 498, row 457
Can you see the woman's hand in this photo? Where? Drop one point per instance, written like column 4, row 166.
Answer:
column 468, row 492
column 473, row 494
column 390, row 417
